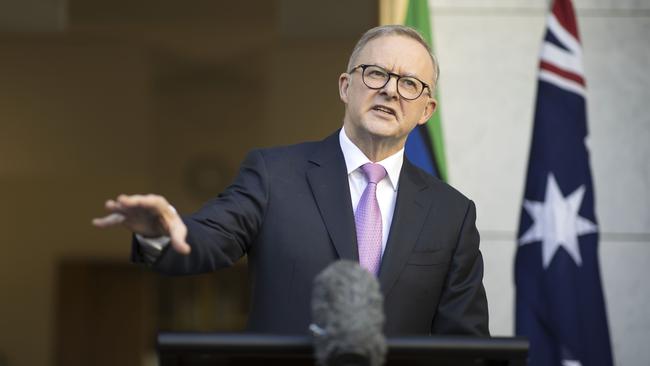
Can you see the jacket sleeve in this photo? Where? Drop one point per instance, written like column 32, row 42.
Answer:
column 463, row 304
column 222, row 231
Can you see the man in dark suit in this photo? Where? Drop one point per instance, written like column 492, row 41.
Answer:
column 293, row 210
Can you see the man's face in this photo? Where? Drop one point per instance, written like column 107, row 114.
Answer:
column 382, row 115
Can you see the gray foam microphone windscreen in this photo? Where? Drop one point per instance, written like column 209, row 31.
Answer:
column 348, row 316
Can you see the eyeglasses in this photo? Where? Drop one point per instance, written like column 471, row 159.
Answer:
column 376, row 77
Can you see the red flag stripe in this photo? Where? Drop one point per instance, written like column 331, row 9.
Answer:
column 563, row 11
column 561, row 72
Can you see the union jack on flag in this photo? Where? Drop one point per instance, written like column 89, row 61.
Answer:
column 561, row 55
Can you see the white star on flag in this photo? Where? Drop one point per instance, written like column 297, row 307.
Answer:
column 556, row 222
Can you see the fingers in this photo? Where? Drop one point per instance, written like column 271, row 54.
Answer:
column 149, row 215
column 178, row 235
column 109, row 220
column 138, row 200
column 155, row 203
column 112, row 206
column 112, row 219
column 176, row 228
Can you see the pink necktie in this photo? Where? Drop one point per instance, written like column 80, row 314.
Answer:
column 368, row 219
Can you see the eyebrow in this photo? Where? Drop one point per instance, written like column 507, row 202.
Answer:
column 405, row 74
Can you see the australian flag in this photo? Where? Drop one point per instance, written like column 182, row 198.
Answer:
column 560, row 305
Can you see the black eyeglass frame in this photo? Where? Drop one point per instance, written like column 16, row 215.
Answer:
column 397, row 77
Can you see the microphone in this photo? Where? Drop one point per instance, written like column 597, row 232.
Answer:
column 347, row 317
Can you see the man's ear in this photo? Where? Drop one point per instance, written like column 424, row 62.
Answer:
column 428, row 110
column 344, row 84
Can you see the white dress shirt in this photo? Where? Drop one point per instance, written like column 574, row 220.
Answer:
column 386, row 188
column 354, row 159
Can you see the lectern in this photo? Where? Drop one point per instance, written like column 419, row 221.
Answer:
column 243, row 349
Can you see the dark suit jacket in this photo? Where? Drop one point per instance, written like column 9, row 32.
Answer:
column 289, row 210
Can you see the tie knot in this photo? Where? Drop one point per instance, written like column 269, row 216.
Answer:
column 374, row 172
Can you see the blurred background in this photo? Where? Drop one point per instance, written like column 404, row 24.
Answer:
column 101, row 97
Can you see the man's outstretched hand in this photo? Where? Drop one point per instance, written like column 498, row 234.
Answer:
column 148, row 215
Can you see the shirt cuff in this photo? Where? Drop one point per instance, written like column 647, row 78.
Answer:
column 152, row 248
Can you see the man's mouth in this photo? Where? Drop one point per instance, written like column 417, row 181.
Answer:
column 384, row 109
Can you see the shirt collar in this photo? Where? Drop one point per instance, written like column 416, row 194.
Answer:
column 355, row 158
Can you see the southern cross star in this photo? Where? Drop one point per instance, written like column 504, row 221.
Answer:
column 556, row 222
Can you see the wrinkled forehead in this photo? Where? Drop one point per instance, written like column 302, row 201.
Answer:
column 399, row 54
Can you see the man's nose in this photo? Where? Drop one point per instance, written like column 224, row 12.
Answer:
column 390, row 89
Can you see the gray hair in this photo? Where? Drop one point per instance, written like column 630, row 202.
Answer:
column 394, row 30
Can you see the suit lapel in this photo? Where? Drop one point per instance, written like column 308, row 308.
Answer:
column 329, row 183
column 411, row 208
